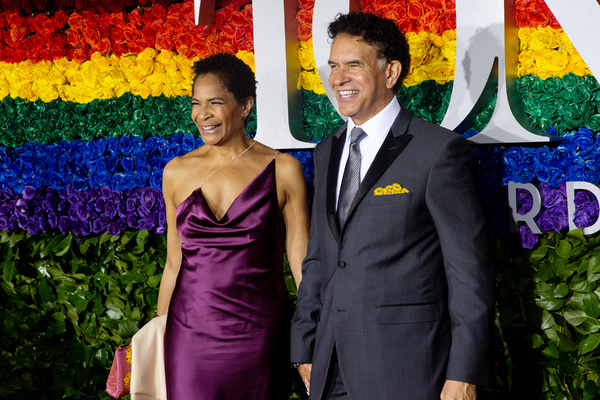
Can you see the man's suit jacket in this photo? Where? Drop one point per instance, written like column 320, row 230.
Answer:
column 406, row 289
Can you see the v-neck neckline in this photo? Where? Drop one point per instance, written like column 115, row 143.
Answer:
column 223, row 217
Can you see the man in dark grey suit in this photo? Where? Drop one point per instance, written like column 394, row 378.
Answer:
column 396, row 299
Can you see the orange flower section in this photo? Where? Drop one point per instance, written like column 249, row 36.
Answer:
column 79, row 35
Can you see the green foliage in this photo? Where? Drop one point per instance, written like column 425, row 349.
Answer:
column 548, row 313
column 66, row 303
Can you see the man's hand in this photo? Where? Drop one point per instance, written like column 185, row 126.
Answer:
column 455, row 390
column 304, row 371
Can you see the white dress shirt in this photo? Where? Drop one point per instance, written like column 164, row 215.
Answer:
column 376, row 129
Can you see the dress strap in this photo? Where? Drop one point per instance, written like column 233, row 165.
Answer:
column 277, row 152
column 228, row 162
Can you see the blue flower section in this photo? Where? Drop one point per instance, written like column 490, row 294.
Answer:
column 125, row 163
column 576, row 158
column 82, row 212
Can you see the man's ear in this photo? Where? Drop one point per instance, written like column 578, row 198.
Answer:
column 394, row 68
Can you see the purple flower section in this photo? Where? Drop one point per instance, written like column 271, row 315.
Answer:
column 528, row 238
column 586, row 209
column 83, row 213
column 554, row 213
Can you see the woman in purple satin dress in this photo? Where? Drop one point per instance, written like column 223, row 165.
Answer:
column 223, row 285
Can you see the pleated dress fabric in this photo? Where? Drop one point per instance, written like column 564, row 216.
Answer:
column 226, row 336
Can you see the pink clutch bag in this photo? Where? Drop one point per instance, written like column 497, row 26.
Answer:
column 119, row 377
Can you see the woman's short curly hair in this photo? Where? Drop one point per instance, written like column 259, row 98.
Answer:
column 389, row 42
column 234, row 74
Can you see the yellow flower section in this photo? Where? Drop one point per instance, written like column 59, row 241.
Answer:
column 309, row 76
column 544, row 52
column 432, row 57
column 246, row 57
column 547, row 52
column 150, row 73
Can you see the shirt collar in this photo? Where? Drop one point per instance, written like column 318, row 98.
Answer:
column 379, row 125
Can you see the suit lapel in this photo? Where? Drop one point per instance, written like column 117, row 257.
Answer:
column 337, row 145
column 392, row 146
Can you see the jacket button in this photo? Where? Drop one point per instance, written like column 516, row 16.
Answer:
column 342, row 264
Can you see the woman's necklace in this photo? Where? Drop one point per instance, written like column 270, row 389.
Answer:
column 228, row 162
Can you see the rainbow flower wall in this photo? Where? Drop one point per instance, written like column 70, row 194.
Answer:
column 94, row 101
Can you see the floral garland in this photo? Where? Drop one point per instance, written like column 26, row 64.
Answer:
column 78, row 36
column 433, row 55
column 131, row 115
column 150, row 73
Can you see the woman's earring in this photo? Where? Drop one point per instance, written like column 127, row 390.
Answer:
column 245, row 117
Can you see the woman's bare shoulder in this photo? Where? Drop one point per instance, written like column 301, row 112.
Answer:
column 178, row 167
column 287, row 163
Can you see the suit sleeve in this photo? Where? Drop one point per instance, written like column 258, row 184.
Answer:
column 304, row 321
column 454, row 205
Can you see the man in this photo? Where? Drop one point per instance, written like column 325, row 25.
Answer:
column 396, row 298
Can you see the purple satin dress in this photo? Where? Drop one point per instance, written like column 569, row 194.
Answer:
column 227, row 336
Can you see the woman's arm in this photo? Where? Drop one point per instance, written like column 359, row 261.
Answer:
column 173, row 263
column 295, row 211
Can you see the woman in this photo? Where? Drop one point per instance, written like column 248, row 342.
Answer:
column 223, row 286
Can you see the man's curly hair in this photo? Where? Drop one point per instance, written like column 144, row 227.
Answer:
column 233, row 73
column 381, row 33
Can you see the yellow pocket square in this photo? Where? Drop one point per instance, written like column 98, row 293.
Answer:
column 390, row 189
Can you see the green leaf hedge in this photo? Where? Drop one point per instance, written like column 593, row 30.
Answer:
column 66, row 303
column 548, row 313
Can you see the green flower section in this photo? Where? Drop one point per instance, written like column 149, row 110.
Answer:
column 566, row 103
column 320, row 117
column 66, row 304
column 129, row 115
column 428, row 100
